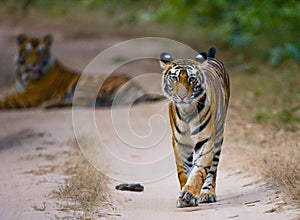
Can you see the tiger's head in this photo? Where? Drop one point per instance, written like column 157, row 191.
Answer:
column 33, row 59
column 183, row 79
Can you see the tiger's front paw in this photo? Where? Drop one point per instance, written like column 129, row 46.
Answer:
column 207, row 198
column 186, row 199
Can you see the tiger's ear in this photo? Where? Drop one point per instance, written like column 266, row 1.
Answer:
column 201, row 57
column 21, row 38
column 211, row 52
column 48, row 39
column 165, row 58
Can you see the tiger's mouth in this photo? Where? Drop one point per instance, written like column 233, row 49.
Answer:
column 33, row 69
column 185, row 101
column 25, row 73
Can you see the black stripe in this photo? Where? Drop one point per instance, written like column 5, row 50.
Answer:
column 213, row 172
column 189, row 161
column 217, row 153
column 220, row 142
column 182, row 144
column 201, row 127
column 216, row 68
column 191, row 116
column 205, row 114
column 175, row 124
column 216, row 159
column 200, row 144
column 177, row 128
column 203, row 154
column 209, row 186
column 177, row 112
column 219, row 68
column 206, row 169
column 188, row 164
column 201, row 103
column 190, row 158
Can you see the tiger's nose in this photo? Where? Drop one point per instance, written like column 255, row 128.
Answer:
column 182, row 96
column 182, row 91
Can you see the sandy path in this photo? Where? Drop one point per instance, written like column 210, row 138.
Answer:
column 34, row 144
column 32, row 151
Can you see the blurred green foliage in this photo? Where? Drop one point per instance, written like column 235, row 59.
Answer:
column 267, row 28
column 271, row 96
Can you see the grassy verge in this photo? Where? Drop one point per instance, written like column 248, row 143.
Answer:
column 269, row 95
column 276, row 157
column 282, row 167
column 267, row 99
column 84, row 192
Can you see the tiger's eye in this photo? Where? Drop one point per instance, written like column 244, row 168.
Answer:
column 40, row 48
column 192, row 79
column 197, row 88
column 174, row 78
column 28, row 48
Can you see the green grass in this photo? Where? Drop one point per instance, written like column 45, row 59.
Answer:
column 269, row 94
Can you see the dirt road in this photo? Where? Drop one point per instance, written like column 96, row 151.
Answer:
column 35, row 144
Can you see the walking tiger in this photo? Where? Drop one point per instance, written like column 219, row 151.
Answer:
column 198, row 90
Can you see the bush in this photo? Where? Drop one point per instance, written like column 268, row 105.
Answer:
column 271, row 27
column 267, row 30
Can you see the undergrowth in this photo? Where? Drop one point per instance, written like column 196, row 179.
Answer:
column 280, row 161
column 84, row 192
column 248, row 27
column 269, row 95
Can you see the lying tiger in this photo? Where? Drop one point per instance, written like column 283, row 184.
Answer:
column 43, row 81
column 199, row 93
